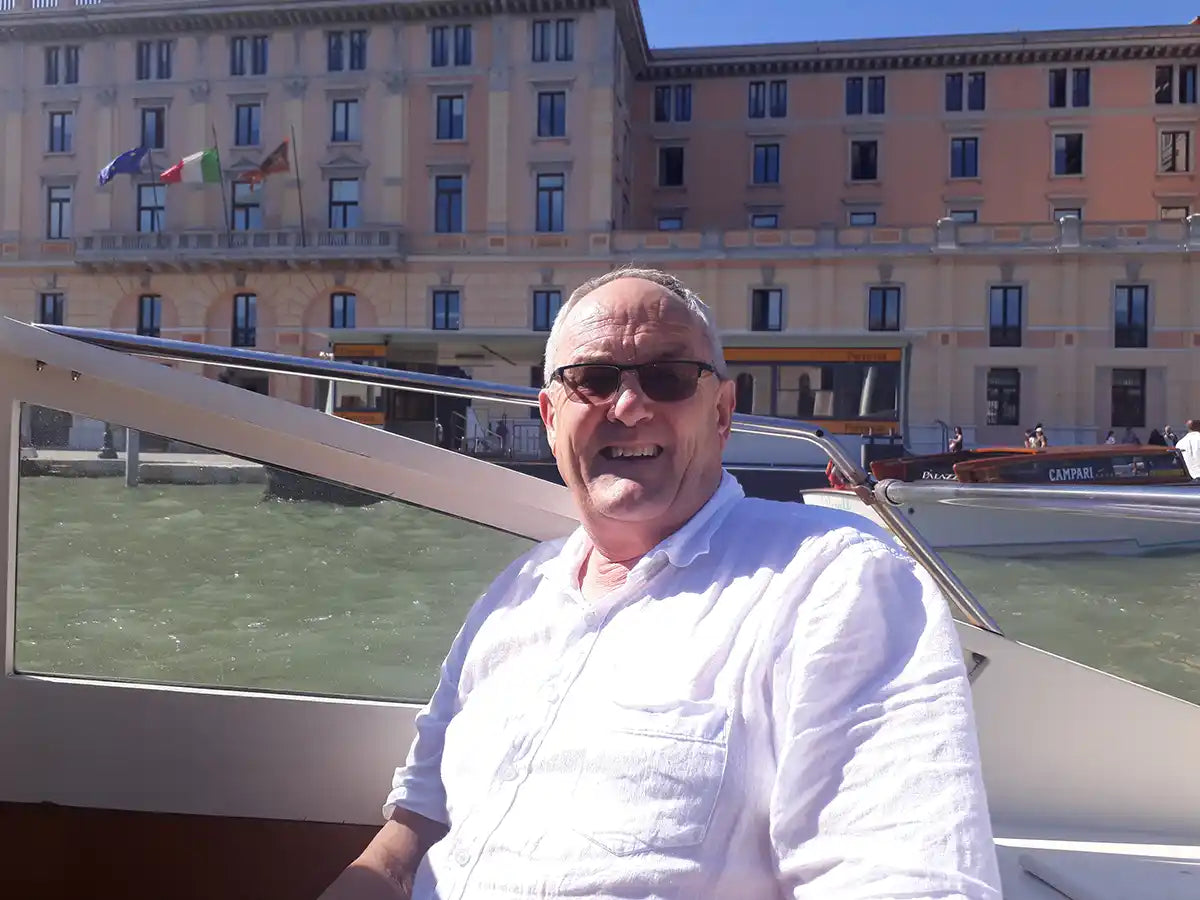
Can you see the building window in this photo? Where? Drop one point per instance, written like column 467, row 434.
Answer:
column 1080, row 94
column 245, row 320
column 1164, row 84
column 1129, row 398
column 1168, row 213
column 448, row 204
column 973, row 84
column 1132, row 316
column 1003, row 397
column 550, row 202
column 552, row 114
column 346, row 50
column 554, row 40
column 766, row 164
column 70, row 65
column 58, row 212
column 1066, row 212
column 876, row 95
column 247, row 124
column 154, row 127
column 883, row 309
column 451, row 118
column 766, row 309
column 963, row 216
column 154, row 60
column 151, row 208
column 53, row 60
column 1004, row 316
column 246, row 210
column 446, row 310
column 670, row 223
column 248, row 55
column 964, row 157
column 149, row 320
column 342, row 310
column 52, row 308
column 1175, row 151
column 673, row 103
column 768, row 99
column 1068, row 154
column 854, row 95
column 62, row 132
column 862, row 218
column 347, row 122
column 545, row 307
column 670, row 167
column 764, row 220
column 442, row 53
column 344, row 210
column 864, row 160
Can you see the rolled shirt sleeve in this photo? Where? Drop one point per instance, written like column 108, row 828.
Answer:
column 878, row 791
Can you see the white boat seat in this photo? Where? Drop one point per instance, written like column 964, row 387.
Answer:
column 1094, row 871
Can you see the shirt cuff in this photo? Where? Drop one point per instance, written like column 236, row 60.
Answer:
column 417, row 794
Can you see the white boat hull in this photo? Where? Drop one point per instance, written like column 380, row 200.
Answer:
column 993, row 531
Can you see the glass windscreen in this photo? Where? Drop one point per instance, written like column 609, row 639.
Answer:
column 219, row 571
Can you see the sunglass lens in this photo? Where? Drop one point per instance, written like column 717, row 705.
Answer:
column 669, row 382
column 592, row 382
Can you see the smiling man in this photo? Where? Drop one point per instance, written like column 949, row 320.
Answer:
column 696, row 695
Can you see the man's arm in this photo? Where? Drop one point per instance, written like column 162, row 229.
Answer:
column 385, row 870
column 879, row 789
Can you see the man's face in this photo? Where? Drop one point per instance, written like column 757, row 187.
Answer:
column 630, row 461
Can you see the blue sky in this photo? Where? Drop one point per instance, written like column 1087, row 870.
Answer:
column 675, row 23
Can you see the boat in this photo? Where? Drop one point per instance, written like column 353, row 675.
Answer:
column 986, row 527
column 253, row 792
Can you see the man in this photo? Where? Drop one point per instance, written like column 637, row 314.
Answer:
column 696, row 695
column 1189, row 448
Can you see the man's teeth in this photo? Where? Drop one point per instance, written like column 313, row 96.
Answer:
column 619, row 452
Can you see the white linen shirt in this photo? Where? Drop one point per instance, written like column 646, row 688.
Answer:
column 1189, row 448
column 773, row 705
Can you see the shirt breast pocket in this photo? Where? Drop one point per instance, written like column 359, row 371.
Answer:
column 650, row 776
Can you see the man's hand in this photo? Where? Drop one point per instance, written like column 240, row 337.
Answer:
column 385, row 870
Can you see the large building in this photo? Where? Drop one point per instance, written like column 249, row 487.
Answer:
column 896, row 234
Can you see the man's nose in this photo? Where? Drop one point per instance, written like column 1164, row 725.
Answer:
column 630, row 405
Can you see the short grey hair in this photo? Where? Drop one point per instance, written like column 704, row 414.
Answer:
column 699, row 310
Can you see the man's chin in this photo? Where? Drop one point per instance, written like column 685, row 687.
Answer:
column 625, row 497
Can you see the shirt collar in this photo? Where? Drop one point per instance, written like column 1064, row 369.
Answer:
column 680, row 549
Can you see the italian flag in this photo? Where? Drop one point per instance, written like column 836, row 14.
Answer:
column 199, row 168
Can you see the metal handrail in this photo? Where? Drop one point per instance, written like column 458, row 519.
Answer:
column 466, row 388
column 1172, row 503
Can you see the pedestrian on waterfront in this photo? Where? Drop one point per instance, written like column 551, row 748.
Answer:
column 956, row 442
column 1170, row 435
column 1130, row 437
column 1039, row 438
column 696, row 694
column 1189, row 448
column 1111, row 439
column 502, row 433
column 1156, row 439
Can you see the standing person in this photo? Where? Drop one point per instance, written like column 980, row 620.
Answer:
column 696, row 694
column 1111, row 439
column 1170, row 435
column 1189, row 448
column 1130, row 437
column 956, row 442
column 502, row 433
column 1039, row 438
column 1156, row 439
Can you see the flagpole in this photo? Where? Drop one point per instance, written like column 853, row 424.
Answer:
column 224, row 199
column 299, row 188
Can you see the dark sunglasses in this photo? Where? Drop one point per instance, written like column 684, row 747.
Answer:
column 668, row 381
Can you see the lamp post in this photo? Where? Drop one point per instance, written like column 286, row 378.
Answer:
column 108, row 451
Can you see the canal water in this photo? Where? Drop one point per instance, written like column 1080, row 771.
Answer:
column 215, row 585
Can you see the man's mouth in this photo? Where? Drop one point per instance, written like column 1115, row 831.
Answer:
column 641, row 451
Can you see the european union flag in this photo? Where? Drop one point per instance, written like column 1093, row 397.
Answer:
column 128, row 163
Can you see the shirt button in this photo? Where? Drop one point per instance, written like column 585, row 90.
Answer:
column 508, row 773
column 591, row 619
column 462, row 856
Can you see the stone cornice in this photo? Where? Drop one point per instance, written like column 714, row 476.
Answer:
column 175, row 16
column 957, row 51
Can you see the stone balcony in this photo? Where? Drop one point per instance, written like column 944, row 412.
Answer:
column 188, row 249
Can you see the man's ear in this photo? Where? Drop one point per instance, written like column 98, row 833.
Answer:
column 725, row 403
column 546, row 408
